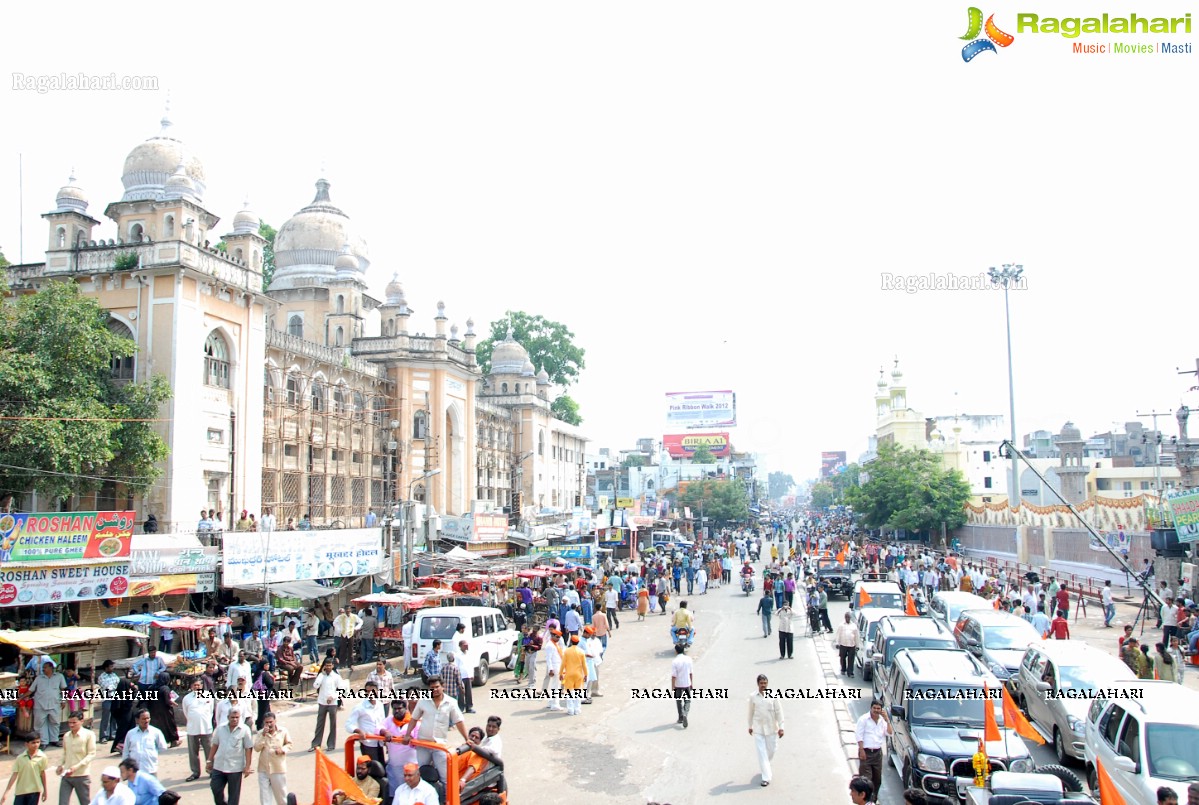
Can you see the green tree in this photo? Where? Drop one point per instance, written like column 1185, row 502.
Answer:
column 723, row 501
column 268, row 252
column 703, row 455
column 67, row 425
column 843, row 481
column 909, row 489
column 565, row 408
column 550, row 344
column 822, row 495
column 4, row 260
column 634, row 460
column 778, row 484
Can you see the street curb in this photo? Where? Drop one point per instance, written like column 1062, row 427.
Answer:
column 846, row 725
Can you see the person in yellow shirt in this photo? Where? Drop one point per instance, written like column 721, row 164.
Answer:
column 682, row 619
column 574, row 675
column 28, row 775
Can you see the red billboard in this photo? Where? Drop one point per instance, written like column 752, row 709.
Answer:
column 683, row 445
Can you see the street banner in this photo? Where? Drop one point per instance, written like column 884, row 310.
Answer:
column 87, row 537
column 1118, row 541
column 1184, row 508
column 25, row 586
column 684, row 445
column 701, row 409
column 252, row 557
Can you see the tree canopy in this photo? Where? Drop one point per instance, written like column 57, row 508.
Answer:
column 68, row 426
column 909, row 489
column 702, row 455
column 778, row 484
column 550, row 345
column 565, row 408
column 634, row 460
column 4, row 260
column 724, row 501
column 268, row 252
column 822, row 495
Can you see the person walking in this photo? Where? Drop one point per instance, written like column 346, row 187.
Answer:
column 229, row 759
column 144, row 742
column 822, row 608
column 272, row 744
column 847, row 644
column 46, row 692
column 145, row 787
column 871, row 732
column 573, row 675
column 765, row 726
column 79, row 750
column 611, row 605
column 682, row 682
column 466, row 674
column 786, row 618
column 766, row 609
column 553, row 652
column 28, row 775
column 328, row 686
column 1109, row 607
column 198, row 706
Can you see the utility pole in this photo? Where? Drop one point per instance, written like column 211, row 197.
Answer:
column 1157, row 461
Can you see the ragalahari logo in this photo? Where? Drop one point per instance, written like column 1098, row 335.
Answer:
column 993, row 37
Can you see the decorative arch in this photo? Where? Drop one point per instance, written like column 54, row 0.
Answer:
column 219, row 358
column 122, row 368
column 137, row 233
column 454, row 465
column 168, row 228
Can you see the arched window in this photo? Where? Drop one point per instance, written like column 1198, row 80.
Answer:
column 338, row 336
column 503, row 388
column 169, row 227
column 420, row 425
column 339, row 399
column 318, row 396
column 257, row 258
column 541, row 443
column 359, row 405
column 216, row 361
column 293, row 390
column 239, row 255
column 122, row 368
column 341, row 304
column 136, row 233
column 295, row 325
column 268, row 389
column 60, row 238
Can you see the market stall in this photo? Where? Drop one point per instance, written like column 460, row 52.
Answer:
column 189, row 663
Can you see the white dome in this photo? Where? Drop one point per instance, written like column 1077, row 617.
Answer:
column 179, row 185
column 509, row 358
column 543, row 378
column 394, row 291
column 309, row 243
column 528, row 369
column 346, row 263
column 246, row 221
column 70, row 198
column 151, row 165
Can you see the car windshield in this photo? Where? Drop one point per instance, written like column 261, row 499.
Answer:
column 889, row 600
column 1014, row 636
column 438, row 628
column 957, row 609
column 897, row 643
column 966, row 711
column 1083, row 677
column 1173, row 751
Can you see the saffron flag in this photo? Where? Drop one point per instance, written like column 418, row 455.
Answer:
column 1108, row 792
column 863, row 597
column 1012, row 717
column 996, row 603
column 910, row 605
column 841, row 557
column 991, row 728
column 330, row 777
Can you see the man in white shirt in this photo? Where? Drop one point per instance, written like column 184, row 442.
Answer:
column 406, row 635
column 434, row 716
column 240, row 701
column 46, row 692
column 112, row 790
column 238, row 670
column 493, row 741
column 1109, row 607
column 765, row 725
column 229, row 759
column 847, row 644
column 466, row 674
column 872, row 731
column 266, row 523
column 328, row 685
column 367, row 718
column 611, row 603
column 681, row 682
column 312, row 628
column 198, row 708
column 552, row 653
column 144, row 742
column 414, row 790
column 345, row 625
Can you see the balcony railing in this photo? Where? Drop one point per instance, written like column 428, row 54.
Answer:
column 102, row 258
column 337, row 356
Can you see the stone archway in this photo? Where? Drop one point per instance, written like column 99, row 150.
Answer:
column 454, row 464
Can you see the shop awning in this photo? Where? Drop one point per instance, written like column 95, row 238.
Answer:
column 188, row 623
column 47, row 640
column 304, row 589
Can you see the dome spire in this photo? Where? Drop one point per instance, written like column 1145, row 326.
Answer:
column 166, row 117
column 322, row 190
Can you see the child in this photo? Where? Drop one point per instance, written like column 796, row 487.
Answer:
column 73, row 695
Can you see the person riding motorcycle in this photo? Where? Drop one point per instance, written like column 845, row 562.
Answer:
column 683, row 619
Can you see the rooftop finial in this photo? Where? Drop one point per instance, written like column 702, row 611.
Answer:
column 166, row 116
column 322, row 189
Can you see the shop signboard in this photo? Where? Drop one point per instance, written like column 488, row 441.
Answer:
column 39, row 586
column 85, row 537
column 172, row 584
column 1184, row 508
column 576, row 554
column 684, row 445
column 490, row 528
column 254, row 557
column 173, row 560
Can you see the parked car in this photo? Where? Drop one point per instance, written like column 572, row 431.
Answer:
column 1053, row 686
column 878, row 591
column 489, row 635
column 997, row 638
column 1146, row 742
column 896, row 634
column 867, row 623
column 937, row 718
column 947, row 606
column 835, row 576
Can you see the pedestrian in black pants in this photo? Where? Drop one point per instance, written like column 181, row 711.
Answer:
column 786, row 634
column 229, row 759
column 611, row 604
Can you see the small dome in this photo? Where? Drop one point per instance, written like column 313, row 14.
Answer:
column 394, row 291
column 1069, row 431
column 896, row 375
column 527, row 369
column 246, row 221
column 508, row 357
column 70, row 197
column 882, row 380
column 543, row 378
column 346, row 262
column 309, row 243
column 150, row 165
column 179, row 185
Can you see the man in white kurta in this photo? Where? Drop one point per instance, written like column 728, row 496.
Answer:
column 765, row 725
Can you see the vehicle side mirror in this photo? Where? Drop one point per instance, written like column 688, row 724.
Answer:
column 876, row 657
column 1043, row 686
column 1124, row 764
column 898, row 711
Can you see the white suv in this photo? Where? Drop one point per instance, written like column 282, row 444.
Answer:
column 1145, row 742
column 490, row 638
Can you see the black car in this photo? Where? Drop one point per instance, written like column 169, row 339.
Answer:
column 836, row 576
column 937, row 717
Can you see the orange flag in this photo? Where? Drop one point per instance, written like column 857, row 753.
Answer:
column 864, row 597
column 329, row 777
column 990, row 729
column 910, row 605
column 841, row 557
column 1012, row 717
column 1107, row 789
column 995, row 604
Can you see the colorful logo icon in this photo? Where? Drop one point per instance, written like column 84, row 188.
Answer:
column 993, row 37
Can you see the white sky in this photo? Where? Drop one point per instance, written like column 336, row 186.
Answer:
column 706, row 193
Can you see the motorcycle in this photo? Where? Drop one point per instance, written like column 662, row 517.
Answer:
column 747, row 584
column 682, row 635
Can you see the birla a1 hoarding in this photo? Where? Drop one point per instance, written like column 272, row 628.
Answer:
column 684, row 445
column 701, row 409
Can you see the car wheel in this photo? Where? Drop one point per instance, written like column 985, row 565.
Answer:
column 482, row 672
column 906, row 776
column 1071, row 783
column 890, row 757
column 1059, row 747
column 867, row 673
column 1093, row 781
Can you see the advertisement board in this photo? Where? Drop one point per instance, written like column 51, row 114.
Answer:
column 172, row 584
column 89, row 537
column 684, row 445
column 31, row 586
column 831, row 463
column 250, row 557
column 578, row 554
column 172, row 561
column 1184, row 508
column 490, row 528
column 1117, row 540
column 701, row 409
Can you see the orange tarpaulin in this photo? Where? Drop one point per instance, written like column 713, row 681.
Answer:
column 1012, row 717
column 330, row 777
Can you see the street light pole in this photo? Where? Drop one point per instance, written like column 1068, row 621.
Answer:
column 1010, row 274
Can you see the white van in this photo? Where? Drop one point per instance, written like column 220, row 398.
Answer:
column 490, row 637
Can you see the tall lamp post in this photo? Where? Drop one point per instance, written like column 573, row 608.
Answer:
column 408, row 532
column 1009, row 275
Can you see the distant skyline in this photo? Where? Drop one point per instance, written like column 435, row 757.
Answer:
column 709, row 197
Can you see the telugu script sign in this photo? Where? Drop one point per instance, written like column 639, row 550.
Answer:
column 65, row 537
column 252, row 557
